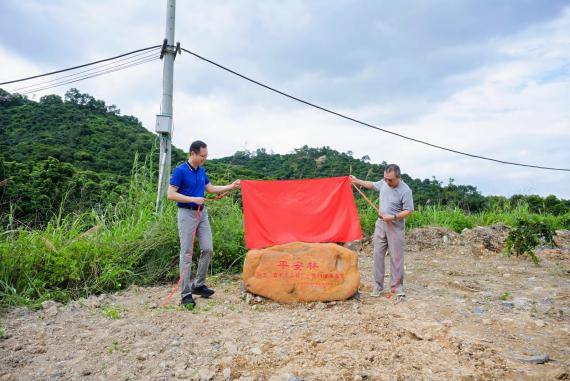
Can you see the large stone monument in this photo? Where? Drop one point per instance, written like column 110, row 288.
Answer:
column 302, row 272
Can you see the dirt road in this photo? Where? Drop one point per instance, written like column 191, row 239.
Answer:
column 451, row 325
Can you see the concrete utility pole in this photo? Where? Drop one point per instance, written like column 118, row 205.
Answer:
column 164, row 120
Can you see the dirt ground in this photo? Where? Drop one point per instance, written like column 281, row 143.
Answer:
column 452, row 325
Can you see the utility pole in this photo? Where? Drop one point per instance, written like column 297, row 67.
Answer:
column 164, row 119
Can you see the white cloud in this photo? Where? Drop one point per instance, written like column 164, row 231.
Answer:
column 513, row 107
column 505, row 112
column 15, row 67
column 510, row 114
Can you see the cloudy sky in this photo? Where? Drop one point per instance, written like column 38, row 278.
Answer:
column 485, row 77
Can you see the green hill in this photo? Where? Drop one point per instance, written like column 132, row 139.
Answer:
column 77, row 150
column 308, row 162
column 59, row 156
column 77, row 200
column 79, row 130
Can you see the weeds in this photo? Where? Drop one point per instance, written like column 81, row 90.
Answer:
column 114, row 347
column 457, row 219
column 196, row 310
column 527, row 235
column 110, row 312
column 507, row 295
column 557, row 269
column 208, row 306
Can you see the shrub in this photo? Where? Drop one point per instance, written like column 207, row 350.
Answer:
column 527, row 235
column 564, row 221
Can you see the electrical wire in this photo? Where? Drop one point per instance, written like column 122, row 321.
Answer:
column 129, row 58
column 80, row 66
column 148, row 58
column 92, row 75
column 367, row 124
column 97, row 74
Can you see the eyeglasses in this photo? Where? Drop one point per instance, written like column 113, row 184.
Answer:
column 389, row 180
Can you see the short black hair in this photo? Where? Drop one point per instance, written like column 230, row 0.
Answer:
column 393, row 168
column 197, row 146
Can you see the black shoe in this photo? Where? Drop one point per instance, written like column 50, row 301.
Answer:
column 188, row 302
column 203, row 291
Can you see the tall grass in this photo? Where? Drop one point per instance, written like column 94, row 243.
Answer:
column 456, row 219
column 128, row 243
column 99, row 251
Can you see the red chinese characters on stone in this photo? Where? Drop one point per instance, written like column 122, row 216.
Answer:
column 302, row 272
column 298, row 266
column 312, row 266
column 281, row 274
column 327, row 276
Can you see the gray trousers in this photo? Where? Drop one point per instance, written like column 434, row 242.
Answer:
column 187, row 221
column 390, row 236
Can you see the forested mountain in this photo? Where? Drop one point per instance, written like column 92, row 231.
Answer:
column 72, row 154
column 75, row 152
column 308, row 162
column 79, row 130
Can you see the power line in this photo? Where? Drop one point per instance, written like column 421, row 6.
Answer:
column 80, row 66
column 128, row 59
column 367, row 124
column 96, row 74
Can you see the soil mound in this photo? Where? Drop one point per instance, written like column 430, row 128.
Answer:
column 431, row 238
column 486, row 240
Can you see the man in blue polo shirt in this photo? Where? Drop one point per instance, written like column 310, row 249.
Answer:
column 188, row 185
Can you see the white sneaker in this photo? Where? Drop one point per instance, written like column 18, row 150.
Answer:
column 376, row 292
column 399, row 292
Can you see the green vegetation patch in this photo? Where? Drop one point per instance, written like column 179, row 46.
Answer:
column 79, row 218
column 527, row 234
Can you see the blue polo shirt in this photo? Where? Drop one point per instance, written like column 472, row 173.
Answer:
column 189, row 181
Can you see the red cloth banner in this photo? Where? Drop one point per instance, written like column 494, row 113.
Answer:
column 314, row 210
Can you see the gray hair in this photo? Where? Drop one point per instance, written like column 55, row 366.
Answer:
column 393, row 168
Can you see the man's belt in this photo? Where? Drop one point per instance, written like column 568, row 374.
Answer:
column 193, row 207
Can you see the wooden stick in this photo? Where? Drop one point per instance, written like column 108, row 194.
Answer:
column 367, row 199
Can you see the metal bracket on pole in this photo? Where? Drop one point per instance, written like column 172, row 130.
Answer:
column 177, row 50
column 163, row 49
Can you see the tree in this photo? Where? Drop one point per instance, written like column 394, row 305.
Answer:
column 11, row 100
column 51, row 100
column 113, row 110
column 73, row 96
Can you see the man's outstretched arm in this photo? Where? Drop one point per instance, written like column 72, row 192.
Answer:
column 222, row 188
column 362, row 183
